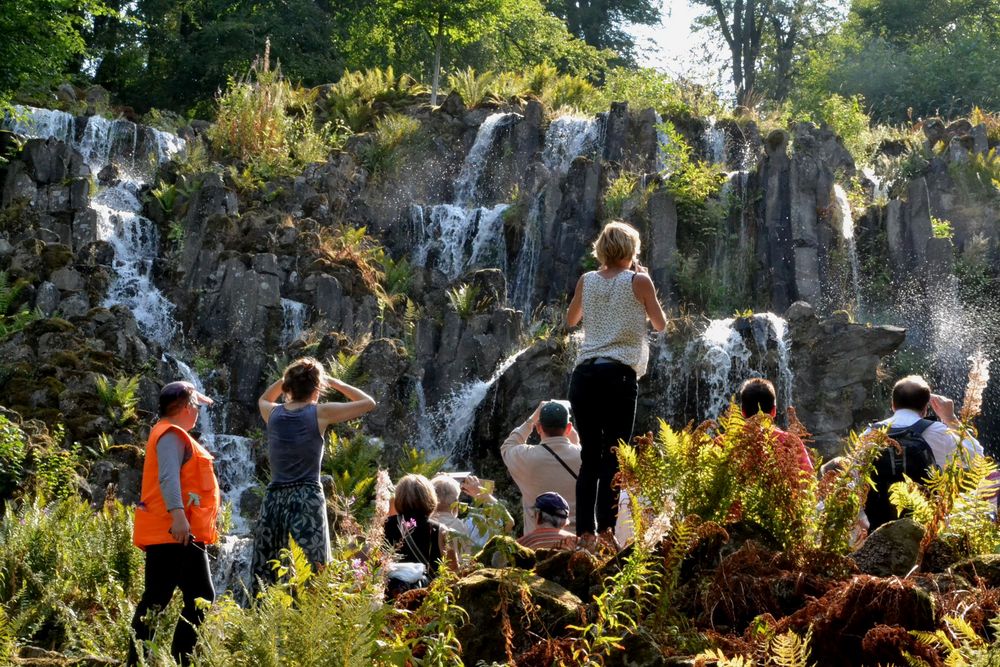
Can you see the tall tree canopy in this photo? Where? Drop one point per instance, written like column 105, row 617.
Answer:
column 603, row 23
column 38, row 38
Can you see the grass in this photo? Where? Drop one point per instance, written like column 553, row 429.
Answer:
column 382, row 154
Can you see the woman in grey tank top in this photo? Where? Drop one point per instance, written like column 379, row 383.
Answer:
column 614, row 304
column 296, row 434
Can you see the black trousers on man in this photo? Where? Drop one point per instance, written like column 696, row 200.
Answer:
column 169, row 567
column 603, row 398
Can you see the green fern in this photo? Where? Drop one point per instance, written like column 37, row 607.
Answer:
column 472, row 87
column 909, row 496
column 12, row 322
column 119, row 398
column 465, row 300
column 8, row 292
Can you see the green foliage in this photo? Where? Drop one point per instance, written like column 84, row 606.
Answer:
column 847, row 117
column 67, row 574
column 474, row 88
column 942, row 229
column 166, row 195
column 12, row 322
column 415, row 461
column 346, row 367
column 744, row 471
column 645, row 88
column 908, row 496
column 13, row 452
column 120, row 398
column 267, row 123
column 465, row 300
column 381, row 156
column 978, row 176
column 619, row 191
column 38, row 39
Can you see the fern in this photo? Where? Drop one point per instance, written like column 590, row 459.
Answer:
column 908, row 496
column 790, row 650
column 8, row 292
column 465, row 300
column 120, row 398
column 11, row 323
column 472, row 87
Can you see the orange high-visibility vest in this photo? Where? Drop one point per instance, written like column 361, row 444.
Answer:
column 199, row 492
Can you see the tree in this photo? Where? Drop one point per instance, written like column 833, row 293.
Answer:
column 448, row 21
column 742, row 24
column 38, row 38
column 603, row 23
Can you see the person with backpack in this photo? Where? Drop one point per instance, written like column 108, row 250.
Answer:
column 551, row 465
column 924, row 444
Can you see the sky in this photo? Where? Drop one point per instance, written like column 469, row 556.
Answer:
column 674, row 48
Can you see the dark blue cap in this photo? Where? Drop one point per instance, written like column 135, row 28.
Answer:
column 552, row 503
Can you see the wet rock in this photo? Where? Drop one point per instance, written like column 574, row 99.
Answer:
column 67, row 280
column 76, row 305
column 47, row 298
column 890, row 550
column 490, row 594
column 835, row 364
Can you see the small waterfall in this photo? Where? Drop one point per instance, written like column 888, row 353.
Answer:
column 475, row 162
column 880, row 193
column 136, row 151
column 727, row 359
column 845, row 221
column 726, row 354
column 522, row 286
column 453, row 418
column 294, row 316
column 715, row 142
column 567, row 138
column 462, row 234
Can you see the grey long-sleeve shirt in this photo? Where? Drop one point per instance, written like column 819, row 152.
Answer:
column 171, row 454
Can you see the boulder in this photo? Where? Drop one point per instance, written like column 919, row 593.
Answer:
column 490, row 596
column 47, row 298
column 983, row 567
column 891, row 550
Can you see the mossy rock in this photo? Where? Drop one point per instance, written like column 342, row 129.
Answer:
column 501, row 550
column 985, row 567
column 50, row 325
column 944, row 551
column 576, row 571
column 56, row 256
column 495, row 600
column 66, row 359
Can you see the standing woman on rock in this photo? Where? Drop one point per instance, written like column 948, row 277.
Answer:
column 175, row 519
column 614, row 304
column 294, row 503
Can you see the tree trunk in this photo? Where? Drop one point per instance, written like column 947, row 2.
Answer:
column 438, row 46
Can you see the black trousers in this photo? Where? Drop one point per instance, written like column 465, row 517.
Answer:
column 169, row 567
column 603, row 399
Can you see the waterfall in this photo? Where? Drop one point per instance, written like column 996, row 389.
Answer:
column 845, row 221
column 726, row 354
column 452, row 419
column 475, row 162
column 118, row 207
column 294, row 316
column 727, row 359
column 464, row 235
column 522, row 286
column 567, row 138
column 714, row 139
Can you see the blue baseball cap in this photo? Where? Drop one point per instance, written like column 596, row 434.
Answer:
column 552, row 503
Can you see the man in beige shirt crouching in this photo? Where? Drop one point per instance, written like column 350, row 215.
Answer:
column 551, row 465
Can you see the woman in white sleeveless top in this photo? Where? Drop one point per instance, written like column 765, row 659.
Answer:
column 614, row 304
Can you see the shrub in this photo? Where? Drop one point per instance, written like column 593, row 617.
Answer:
column 67, row 575
column 619, row 191
column 255, row 123
column 978, row 176
column 352, row 101
column 380, row 156
column 474, row 88
column 942, row 229
column 13, row 452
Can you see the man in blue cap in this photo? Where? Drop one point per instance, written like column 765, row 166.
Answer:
column 551, row 465
column 551, row 514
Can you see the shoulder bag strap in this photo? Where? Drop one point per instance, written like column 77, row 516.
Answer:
column 558, row 458
column 413, row 545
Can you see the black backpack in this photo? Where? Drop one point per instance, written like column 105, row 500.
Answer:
column 915, row 461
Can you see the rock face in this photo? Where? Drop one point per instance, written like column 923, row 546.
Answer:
column 891, row 550
column 835, row 363
column 491, row 595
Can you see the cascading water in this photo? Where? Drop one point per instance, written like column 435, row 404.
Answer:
column 715, row 142
column 454, row 416
column 462, row 234
column 845, row 221
column 727, row 360
column 135, row 151
column 567, row 138
column 294, row 317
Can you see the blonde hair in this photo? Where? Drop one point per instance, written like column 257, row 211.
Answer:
column 303, row 377
column 447, row 489
column 415, row 497
column 617, row 241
